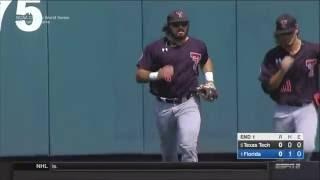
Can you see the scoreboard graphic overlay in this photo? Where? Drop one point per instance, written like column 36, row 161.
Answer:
column 270, row 146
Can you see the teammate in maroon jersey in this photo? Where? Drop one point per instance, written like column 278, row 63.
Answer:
column 289, row 74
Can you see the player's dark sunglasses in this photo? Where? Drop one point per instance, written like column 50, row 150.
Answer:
column 283, row 34
column 178, row 24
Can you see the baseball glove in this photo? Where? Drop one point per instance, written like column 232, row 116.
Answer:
column 207, row 91
column 316, row 99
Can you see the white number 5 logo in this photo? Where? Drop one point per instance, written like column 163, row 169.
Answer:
column 24, row 10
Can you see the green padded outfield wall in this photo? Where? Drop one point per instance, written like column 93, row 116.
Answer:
column 95, row 104
column 23, row 87
column 69, row 87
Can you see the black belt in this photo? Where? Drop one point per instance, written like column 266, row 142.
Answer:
column 175, row 100
column 298, row 104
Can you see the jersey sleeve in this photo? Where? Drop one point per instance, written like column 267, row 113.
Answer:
column 145, row 61
column 205, row 55
column 267, row 69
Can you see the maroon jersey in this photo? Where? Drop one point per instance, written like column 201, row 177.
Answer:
column 185, row 60
column 300, row 82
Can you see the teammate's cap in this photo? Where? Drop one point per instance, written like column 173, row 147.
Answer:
column 177, row 16
column 285, row 24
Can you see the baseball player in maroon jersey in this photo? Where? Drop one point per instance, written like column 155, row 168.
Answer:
column 289, row 74
column 170, row 66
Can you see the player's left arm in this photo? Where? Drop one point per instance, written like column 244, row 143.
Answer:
column 207, row 69
column 208, row 66
column 208, row 91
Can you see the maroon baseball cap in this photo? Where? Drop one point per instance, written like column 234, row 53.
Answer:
column 177, row 16
column 285, row 23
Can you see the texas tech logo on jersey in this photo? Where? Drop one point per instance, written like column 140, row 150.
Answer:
column 310, row 64
column 196, row 57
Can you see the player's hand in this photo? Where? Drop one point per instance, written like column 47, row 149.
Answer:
column 166, row 73
column 286, row 63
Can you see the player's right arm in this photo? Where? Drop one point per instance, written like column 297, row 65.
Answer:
column 144, row 76
column 144, row 66
column 277, row 78
column 272, row 72
column 146, row 70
